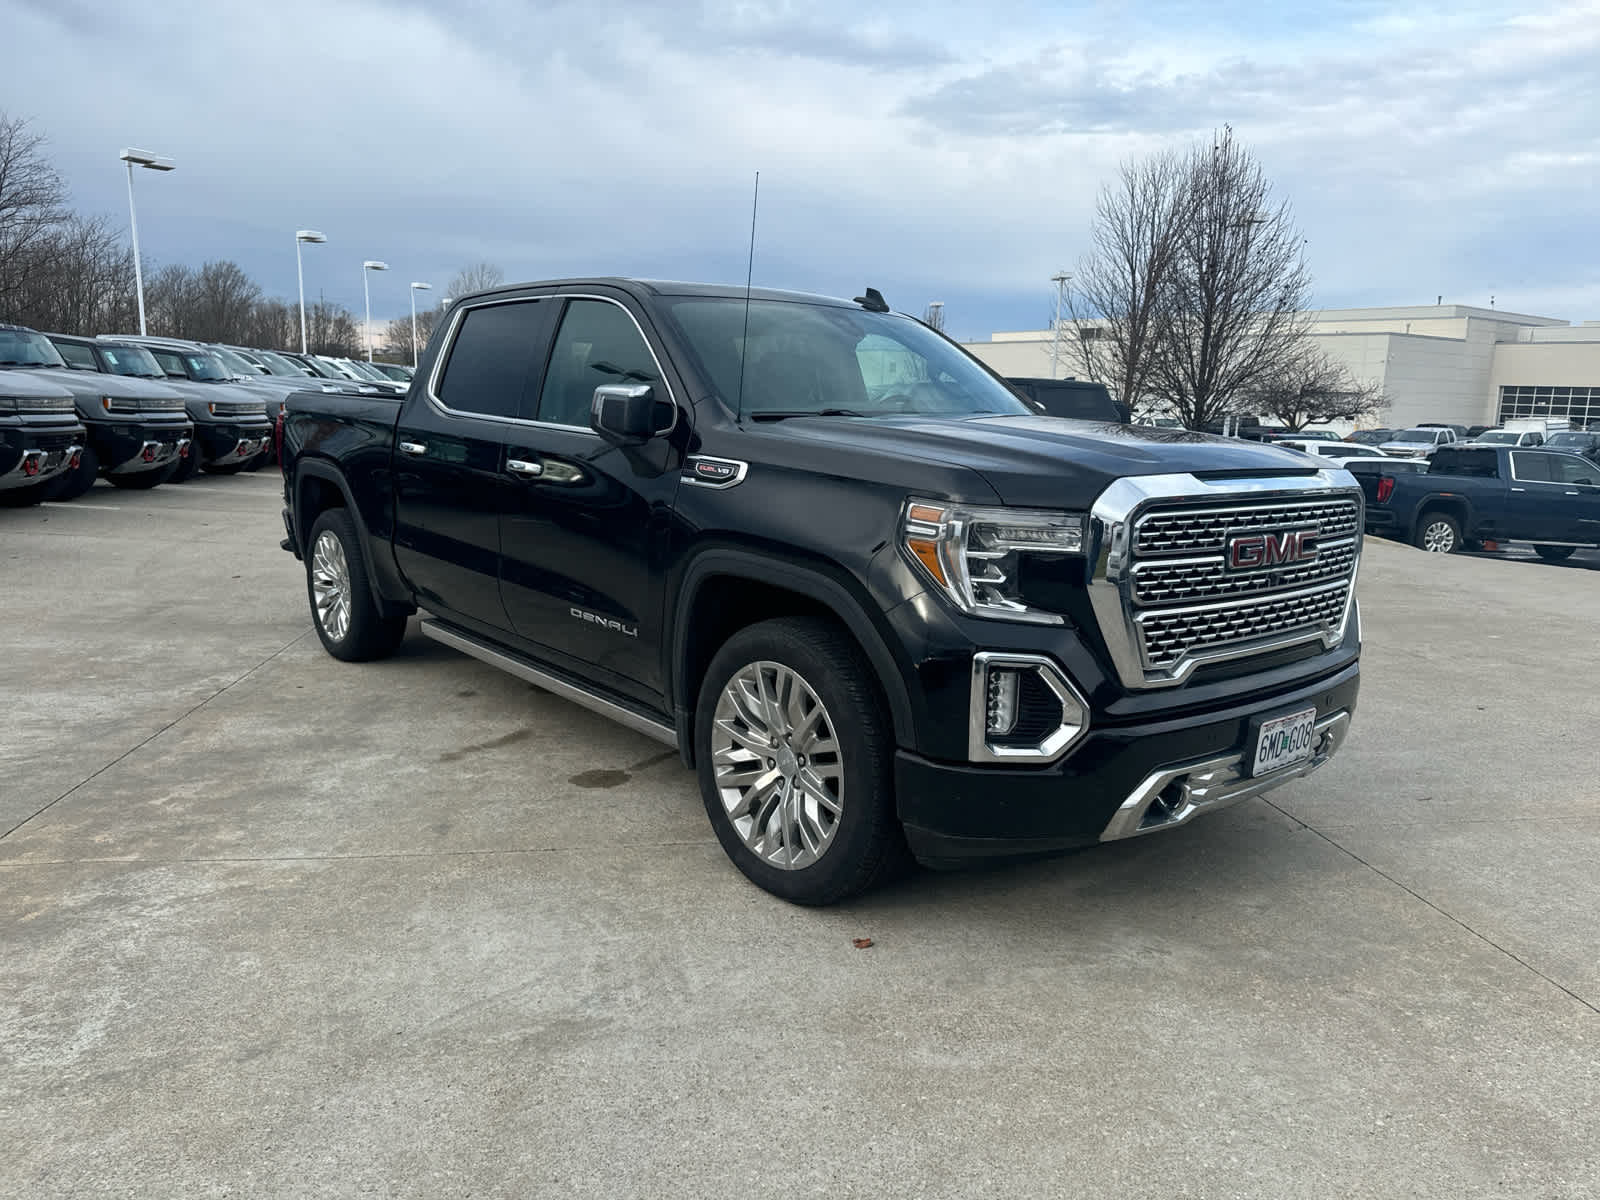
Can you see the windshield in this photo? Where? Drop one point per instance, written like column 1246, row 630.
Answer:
column 188, row 363
column 807, row 358
column 236, row 364
column 25, row 348
column 1418, row 435
column 1580, row 440
column 368, row 371
column 131, row 360
column 279, row 365
column 1499, row 437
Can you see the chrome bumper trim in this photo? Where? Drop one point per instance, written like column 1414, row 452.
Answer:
column 1214, row 784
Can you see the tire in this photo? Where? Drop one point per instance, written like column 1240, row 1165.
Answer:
column 343, row 609
column 1554, row 554
column 822, row 689
column 259, row 461
column 72, row 484
column 141, row 480
column 1438, row 533
column 186, row 467
column 23, row 497
column 225, row 469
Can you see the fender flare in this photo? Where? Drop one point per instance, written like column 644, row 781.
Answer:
column 803, row 580
column 379, row 573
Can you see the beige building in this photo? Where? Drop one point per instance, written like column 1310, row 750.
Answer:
column 1446, row 362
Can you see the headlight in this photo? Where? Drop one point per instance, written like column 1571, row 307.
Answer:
column 119, row 404
column 973, row 554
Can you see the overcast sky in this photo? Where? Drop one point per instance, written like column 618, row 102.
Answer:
column 936, row 151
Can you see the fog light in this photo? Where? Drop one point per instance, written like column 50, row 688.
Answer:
column 1002, row 709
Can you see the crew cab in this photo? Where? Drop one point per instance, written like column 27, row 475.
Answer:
column 1491, row 493
column 230, row 421
column 876, row 601
column 40, row 434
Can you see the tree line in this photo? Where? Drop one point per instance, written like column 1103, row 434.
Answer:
column 69, row 272
column 1191, row 299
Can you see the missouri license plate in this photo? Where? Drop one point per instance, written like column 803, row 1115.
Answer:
column 1284, row 741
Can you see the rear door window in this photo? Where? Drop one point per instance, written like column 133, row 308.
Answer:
column 1532, row 468
column 493, row 367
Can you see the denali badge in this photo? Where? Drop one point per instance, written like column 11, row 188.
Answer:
column 621, row 627
column 1247, row 551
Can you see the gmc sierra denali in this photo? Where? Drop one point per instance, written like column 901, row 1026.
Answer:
column 875, row 600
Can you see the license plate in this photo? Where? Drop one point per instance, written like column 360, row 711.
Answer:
column 1284, row 741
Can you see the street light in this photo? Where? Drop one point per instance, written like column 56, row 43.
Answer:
column 151, row 162
column 370, row 265
column 415, row 288
column 1060, row 279
column 303, row 235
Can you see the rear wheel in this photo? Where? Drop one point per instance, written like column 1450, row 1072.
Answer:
column 343, row 607
column 139, row 480
column 1438, row 533
column 1554, row 553
column 795, row 759
column 72, row 484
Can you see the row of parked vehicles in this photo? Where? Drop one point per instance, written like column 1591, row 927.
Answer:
column 142, row 411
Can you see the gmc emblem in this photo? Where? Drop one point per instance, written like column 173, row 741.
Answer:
column 1249, row 550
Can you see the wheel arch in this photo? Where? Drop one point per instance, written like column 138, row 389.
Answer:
column 320, row 485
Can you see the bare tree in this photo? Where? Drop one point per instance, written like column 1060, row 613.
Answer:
column 224, row 301
column 332, row 329
column 1309, row 387
column 32, row 204
column 1122, row 280
column 273, row 325
column 472, row 279
column 76, row 279
column 397, row 335
column 171, row 301
column 1230, row 315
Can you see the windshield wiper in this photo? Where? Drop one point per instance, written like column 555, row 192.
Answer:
column 784, row 414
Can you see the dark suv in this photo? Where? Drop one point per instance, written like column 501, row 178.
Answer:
column 40, row 434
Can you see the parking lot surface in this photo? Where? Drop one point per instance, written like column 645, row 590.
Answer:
column 272, row 924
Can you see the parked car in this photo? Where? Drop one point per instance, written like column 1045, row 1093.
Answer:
column 1334, row 453
column 1369, row 437
column 1420, row 442
column 40, row 434
column 230, row 421
column 875, row 600
column 135, row 432
column 1077, row 399
column 398, row 372
column 1462, row 432
column 1575, row 442
column 1311, row 435
column 1506, row 437
column 1491, row 493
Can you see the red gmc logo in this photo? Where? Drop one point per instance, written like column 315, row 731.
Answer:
column 1247, row 550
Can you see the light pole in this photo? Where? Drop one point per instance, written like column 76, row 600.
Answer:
column 1060, row 279
column 301, row 236
column 370, row 265
column 415, row 288
column 153, row 162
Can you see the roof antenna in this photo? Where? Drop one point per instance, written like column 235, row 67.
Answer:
column 749, row 274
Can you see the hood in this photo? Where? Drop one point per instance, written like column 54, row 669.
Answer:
column 31, row 386
column 95, row 384
column 197, row 395
column 1050, row 462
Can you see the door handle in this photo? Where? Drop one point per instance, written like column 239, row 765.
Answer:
column 413, row 448
column 520, row 466
column 1517, row 489
column 1574, row 493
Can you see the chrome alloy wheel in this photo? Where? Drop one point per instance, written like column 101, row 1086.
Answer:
column 1439, row 538
column 330, row 585
column 778, row 767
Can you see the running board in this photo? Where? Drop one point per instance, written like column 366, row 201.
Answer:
column 523, row 669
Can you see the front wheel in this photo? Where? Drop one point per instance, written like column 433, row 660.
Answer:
column 1438, row 534
column 343, row 607
column 224, row 469
column 795, row 758
column 22, row 497
column 187, row 466
column 141, row 480
column 74, row 483
column 1554, row 553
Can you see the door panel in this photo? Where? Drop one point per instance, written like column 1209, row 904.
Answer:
column 1536, row 508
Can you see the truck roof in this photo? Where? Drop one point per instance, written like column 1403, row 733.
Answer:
column 665, row 287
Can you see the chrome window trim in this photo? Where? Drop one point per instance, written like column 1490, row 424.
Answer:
column 1112, row 520
column 458, row 314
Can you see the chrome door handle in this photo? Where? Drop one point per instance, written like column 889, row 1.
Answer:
column 519, row 466
column 413, row 448
column 1574, row 493
column 1517, row 489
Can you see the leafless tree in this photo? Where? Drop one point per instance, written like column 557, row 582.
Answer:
column 1231, row 310
column 332, row 329
column 1310, row 388
column 171, row 301
column 274, row 325
column 1113, row 312
column 472, row 279
column 225, row 299
column 32, row 204
column 397, row 335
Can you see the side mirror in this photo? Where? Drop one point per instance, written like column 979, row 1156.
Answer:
column 629, row 414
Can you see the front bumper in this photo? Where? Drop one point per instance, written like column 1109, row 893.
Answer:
column 234, row 442
column 127, row 447
column 31, row 456
column 1122, row 780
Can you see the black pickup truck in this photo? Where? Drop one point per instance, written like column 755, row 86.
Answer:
column 1490, row 493
column 875, row 600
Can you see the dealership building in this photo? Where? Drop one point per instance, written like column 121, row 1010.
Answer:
column 1444, row 362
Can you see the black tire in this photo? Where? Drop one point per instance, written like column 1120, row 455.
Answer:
column 1554, row 553
column 367, row 634
column 140, row 480
column 224, row 469
column 187, row 466
column 259, row 461
column 1438, row 532
column 864, row 842
column 71, row 484
column 22, row 497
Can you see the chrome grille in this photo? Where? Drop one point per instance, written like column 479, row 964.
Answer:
column 1166, row 638
column 1187, row 530
column 1173, row 579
